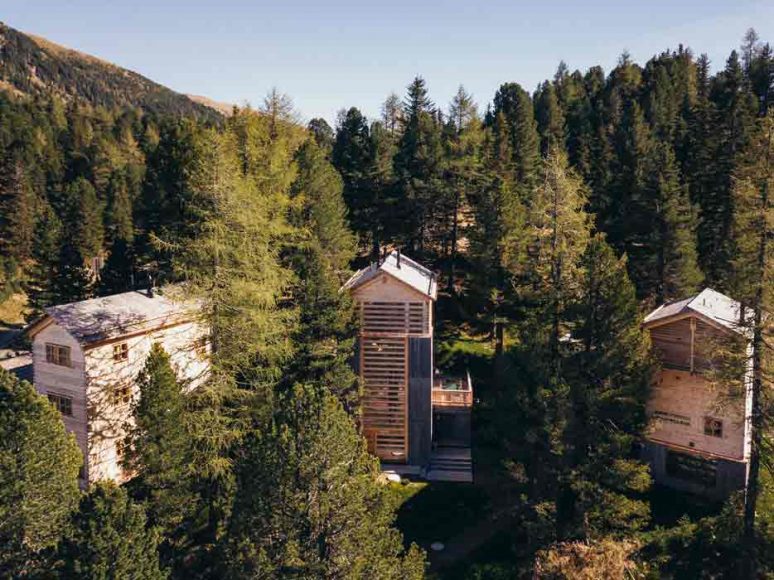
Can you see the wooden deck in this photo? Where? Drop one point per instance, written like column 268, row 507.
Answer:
column 452, row 392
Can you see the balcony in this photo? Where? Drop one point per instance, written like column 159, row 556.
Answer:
column 452, row 392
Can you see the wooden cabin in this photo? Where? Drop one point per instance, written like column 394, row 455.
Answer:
column 699, row 437
column 395, row 357
column 86, row 357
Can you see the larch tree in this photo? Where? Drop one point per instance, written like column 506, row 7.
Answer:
column 39, row 463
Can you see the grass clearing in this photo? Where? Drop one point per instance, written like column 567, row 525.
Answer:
column 437, row 511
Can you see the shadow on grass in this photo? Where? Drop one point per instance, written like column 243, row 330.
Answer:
column 437, row 511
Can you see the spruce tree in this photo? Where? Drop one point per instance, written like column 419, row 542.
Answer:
column 608, row 371
column 325, row 336
column 419, row 171
column 17, row 210
column 735, row 108
column 673, row 249
column 118, row 212
column 351, row 157
column 48, row 241
column 110, row 539
column 84, row 221
column 308, row 502
column 550, row 118
column 516, row 107
column 39, row 463
column 158, row 445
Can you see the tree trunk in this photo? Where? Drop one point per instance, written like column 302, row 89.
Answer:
column 756, row 386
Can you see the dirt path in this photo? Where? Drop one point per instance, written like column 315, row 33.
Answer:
column 466, row 542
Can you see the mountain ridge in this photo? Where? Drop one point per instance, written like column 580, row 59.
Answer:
column 31, row 64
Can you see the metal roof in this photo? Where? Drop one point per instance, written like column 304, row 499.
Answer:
column 401, row 267
column 113, row 316
column 708, row 303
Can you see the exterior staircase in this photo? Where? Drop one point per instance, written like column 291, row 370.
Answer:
column 450, row 464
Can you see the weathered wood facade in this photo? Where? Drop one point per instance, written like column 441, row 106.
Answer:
column 395, row 357
column 104, row 343
column 698, row 439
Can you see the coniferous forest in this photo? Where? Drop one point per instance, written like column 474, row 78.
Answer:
column 555, row 219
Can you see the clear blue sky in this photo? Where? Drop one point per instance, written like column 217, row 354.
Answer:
column 330, row 55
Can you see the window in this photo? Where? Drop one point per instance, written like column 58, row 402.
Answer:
column 671, row 418
column 121, row 395
column 120, row 352
column 63, row 404
column 691, row 468
column 713, row 427
column 57, row 354
column 120, row 448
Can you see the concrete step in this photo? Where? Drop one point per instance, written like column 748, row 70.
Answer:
column 446, row 475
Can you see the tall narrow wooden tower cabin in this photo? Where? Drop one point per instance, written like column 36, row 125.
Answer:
column 699, row 436
column 395, row 357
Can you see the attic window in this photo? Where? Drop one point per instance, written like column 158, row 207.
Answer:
column 120, row 352
column 713, row 427
column 56, row 354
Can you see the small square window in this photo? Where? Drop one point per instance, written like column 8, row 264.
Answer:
column 121, row 395
column 713, row 427
column 120, row 352
column 63, row 404
column 120, row 448
column 57, row 354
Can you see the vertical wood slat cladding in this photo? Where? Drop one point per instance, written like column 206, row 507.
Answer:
column 673, row 344
column 384, row 364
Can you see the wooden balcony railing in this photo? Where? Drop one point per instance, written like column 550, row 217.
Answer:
column 452, row 392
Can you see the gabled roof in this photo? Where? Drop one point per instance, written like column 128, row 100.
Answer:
column 98, row 319
column 401, row 267
column 708, row 303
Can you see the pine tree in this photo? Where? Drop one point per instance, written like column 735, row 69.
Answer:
column 158, row 445
column 309, row 504
column 110, row 539
column 39, row 463
column 323, row 134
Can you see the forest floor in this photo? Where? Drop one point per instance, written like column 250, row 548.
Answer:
column 12, row 313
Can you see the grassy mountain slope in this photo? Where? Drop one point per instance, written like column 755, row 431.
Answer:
column 31, row 65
